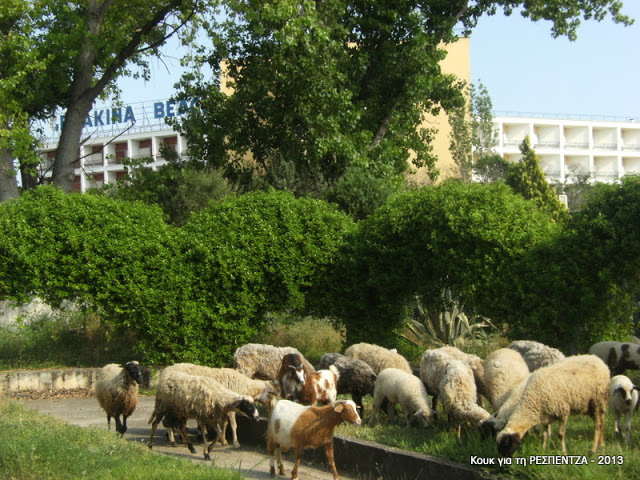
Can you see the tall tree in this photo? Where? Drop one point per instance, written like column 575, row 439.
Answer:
column 323, row 86
column 106, row 36
column 29, row 90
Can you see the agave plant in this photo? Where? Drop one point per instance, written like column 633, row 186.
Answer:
column 448, row 325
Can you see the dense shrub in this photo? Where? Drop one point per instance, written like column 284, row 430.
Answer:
column 255, row 253
column 583, row 287
column 455, row 236
column 118, row 257
column 190, row 294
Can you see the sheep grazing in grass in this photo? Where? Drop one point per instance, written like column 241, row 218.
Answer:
column 433, row 364
column 536, row 354
column 623, row 402
column 619, row 356
column 292, row 425
column 261, row 361
column 503, row 370
column 356, row 378
column 117, row 392
column 398, row 386
column 181, row 396
column 578, row 384
column 378, row 358
column 260, row 390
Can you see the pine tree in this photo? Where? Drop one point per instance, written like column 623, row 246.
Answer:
column 527, row 178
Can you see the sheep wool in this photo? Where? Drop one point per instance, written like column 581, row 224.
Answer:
column 116, row 390
column 623, row 402
column 619, row 356
column 503, row 370
column 578, row 384
column 378, row 358
column 181, row 396
column 398, row 386
column 262, row 361
column 536, row 354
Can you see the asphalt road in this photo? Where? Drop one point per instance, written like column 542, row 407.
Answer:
column 251, row 461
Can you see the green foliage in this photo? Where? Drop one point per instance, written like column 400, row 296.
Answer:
column 527, row 178
column 178, row 188
column 255, row 253
column 360, row 193
column 62, row 339
column 312, row 336
column 582, row 287
column 447, row 326
column 490, row 169
column 45, row 448
column 118, row 257
column 456, row 236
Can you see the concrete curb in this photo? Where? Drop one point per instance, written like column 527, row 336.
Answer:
column 370, row 460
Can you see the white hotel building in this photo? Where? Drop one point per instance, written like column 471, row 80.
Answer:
column 602, row 150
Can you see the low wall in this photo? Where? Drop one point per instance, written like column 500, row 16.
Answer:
column 370, row 460
column 48, row 380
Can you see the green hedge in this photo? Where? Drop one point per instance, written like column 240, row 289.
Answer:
column 190, row 294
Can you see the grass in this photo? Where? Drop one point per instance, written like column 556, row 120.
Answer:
column 34, row 446
column 63, row 339
column 440, row 441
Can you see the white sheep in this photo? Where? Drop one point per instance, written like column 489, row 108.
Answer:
column 181, row 396
column 292, row 425
column 398, row 386
column 433, row 364
column 117, row 392
column 378, row 358
column 619, row 356
column 499, row 419
column 623, row 402
column 536, row 354
column 503, row 370
column 262, row 361
column 578, row 384
column 260, row 390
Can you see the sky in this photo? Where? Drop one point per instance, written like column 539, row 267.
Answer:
column 525, row 70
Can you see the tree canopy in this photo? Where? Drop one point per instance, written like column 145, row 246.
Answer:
column 319, row 87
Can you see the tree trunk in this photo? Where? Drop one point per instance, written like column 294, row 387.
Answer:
column 8, row 184
column 69, row 146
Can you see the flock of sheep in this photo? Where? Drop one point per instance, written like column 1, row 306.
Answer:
column 526, row 384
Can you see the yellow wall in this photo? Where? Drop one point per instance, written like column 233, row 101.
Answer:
column 458, row 63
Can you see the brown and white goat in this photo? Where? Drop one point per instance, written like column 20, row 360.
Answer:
column 292, row 374
column 319, row 387
column 292, row 425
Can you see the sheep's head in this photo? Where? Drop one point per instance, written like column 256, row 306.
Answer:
column 134, row 370
column 424, row 416
column 348, row 411
column 246, row 406
column 508, row 443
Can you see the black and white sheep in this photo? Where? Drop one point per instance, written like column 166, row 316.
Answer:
column 623, row 402
column 262, row 361
column 398, row 386
column 260, row 390
column 181, row 396
column 619, row 356
column 357, row 378
column 578, row 384
column 116, row 390
column 378, row 358
column 536, row 354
